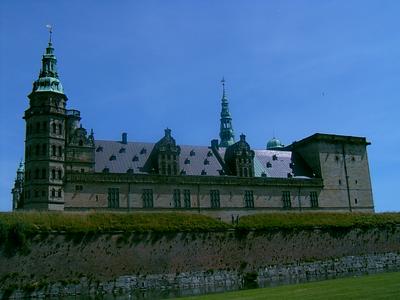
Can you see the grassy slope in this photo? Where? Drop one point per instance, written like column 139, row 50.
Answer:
column 168, row 222
column 379, row 286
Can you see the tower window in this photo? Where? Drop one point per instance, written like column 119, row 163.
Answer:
column 147, row 197
column 59, row 151
column 59, row 173
column 54, row 127
column 80, row 143
column 53, row 192
column 59, row 193
column 44, row 149
column 177, row 198
column 53, row 150
column 53, row 174
column 60, row 128
column 287, row 203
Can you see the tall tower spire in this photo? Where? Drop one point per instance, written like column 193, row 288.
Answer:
column 226, row 130
column 45, row 140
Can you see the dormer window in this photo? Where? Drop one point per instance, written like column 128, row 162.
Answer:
column 135, row 158
column 80, row 143
column 183, row 172
column 143, row 151
column 263, row 174
column 129, row 171
column 122, row 150
column 192, row 153
column 203, row 172
column 209, row 154
column 106, row 170
column 113, row 157
column 99, row 149
column 269, row 165
column 274, row 157
column 206, row 162
column 187, row 161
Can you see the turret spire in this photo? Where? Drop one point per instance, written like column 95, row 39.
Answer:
column 48, row 80
column 226, row 133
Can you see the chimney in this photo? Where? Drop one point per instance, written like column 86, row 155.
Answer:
column 124, row 138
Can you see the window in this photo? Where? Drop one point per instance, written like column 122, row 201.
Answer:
column 314, row 199
column 53, row 174
column 37, row 127
column 249, row 199
column 214, row 197
column 59, row 151
column 44, row 149
column 36, row 173
column 53, row 192
column 59, row 173
column 37, row 149
column 286, row 199
column 60, row 128
column 45, row 126
column 147, row 197
column 186, row 198
column 44, row 173
column 113, row 197
column 78, row 188
column 54, row 128
column 177, row 198
column 53, row 150
column 80, row 143
column 59, row 193
column 36, row 194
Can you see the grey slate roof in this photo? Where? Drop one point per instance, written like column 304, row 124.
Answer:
column 119, row 157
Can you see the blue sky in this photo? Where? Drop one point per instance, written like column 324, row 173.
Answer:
column 292, row 68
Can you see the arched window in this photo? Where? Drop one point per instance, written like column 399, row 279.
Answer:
column 59, row 193
column 53, row 174
column 59, row 173
column 54, row 127
column 80, row 143
column 53, row 192
column 59, row 151
column 60, row 128
column 53, row 150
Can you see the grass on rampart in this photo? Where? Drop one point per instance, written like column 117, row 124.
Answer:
column 329, row 221
column 379, row 286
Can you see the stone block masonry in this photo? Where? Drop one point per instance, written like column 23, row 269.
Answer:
column 66, row 263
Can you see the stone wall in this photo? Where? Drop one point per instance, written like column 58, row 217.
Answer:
column 62, row 262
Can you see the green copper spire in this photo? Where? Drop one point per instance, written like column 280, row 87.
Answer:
column 48, row 77
column 226, row 130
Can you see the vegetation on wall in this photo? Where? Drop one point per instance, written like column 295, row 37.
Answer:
column 329, row 221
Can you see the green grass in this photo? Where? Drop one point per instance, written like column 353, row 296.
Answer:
column 379, row 286
column 320, row 220
column 108, row 222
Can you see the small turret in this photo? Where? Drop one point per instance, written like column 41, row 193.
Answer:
column 17, row 190
column 274, row 144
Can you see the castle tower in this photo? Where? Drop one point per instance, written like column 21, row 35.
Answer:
column 45, row 138
column 226, row 130
column 17, row 191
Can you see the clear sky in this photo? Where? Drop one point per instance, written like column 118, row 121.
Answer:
column 292, row 68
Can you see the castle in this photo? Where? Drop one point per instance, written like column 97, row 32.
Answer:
column 66, row 168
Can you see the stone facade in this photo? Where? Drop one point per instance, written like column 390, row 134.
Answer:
column 66, row 168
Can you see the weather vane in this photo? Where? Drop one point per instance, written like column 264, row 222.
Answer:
column 50, row 28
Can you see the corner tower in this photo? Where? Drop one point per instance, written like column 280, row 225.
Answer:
column 45, row 138
column 226, row 130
